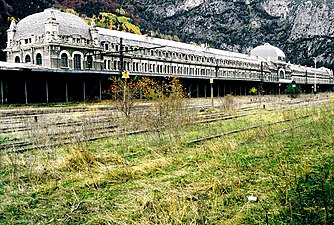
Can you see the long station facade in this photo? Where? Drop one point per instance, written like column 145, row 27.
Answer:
column 56, row 56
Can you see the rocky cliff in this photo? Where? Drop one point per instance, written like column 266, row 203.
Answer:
column 302, row 28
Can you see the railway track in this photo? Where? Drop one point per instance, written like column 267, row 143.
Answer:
column 199, row 140
column 270, row 124
column 53, row 128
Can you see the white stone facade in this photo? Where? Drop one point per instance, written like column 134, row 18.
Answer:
column 63, row 41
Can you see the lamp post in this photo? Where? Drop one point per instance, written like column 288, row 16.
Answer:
column 315, row 75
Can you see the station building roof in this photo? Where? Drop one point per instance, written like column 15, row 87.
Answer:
column 147, row 41
column 268, row 52
column 34, row 25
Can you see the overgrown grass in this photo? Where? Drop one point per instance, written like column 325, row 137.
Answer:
column 140, row 179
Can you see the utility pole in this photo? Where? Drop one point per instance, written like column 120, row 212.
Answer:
column 315, row 75
column 211, row 83
column 124, row 75
column 261, row 84
column 121, row 56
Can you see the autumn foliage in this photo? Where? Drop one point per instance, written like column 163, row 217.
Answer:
column 126, row 91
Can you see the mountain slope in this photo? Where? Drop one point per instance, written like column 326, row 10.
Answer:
column 303, row 29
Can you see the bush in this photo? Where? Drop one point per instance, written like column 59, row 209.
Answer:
column 293, row 90
column 253, row 91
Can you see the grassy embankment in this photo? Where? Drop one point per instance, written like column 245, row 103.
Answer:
column 156, row 178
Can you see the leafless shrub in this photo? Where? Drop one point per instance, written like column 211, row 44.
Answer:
column 229, row 104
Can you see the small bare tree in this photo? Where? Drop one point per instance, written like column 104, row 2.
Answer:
column 228, row 103
column 125, row 91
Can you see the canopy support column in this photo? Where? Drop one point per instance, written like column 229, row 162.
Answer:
column 26, row 91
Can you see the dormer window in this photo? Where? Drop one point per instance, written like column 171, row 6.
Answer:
column 27, row 40
column 106, row 47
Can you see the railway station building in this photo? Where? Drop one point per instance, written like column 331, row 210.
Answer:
column 53, row 56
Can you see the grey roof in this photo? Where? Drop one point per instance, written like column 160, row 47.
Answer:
column 68, row 24
column 268, row 51
column 145, row 41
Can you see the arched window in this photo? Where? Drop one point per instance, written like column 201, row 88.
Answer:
column 17, row 59
column 106, row 47
column 64, row 60
column 281, row 74
column 28, row 59
column 89, row 61
column 77, row 62
column 39, row 59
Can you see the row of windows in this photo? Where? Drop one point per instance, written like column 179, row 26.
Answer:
column 160, row 68
column 181, row 56
column 63, row 60
column 236, row 73
column 173, row 69
column 27, row 41
column 76, row 61
column 73, row 40
column 189, row 70
column 27, row 59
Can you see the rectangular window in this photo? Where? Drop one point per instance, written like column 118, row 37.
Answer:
column 77, row 62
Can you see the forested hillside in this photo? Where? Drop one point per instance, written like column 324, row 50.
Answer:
column 303, row 29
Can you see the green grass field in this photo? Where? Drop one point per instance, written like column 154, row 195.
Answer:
column 157, row 178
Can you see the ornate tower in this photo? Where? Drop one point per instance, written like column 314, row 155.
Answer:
column 95, row 33
column 51, row 27
column 11, row 33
